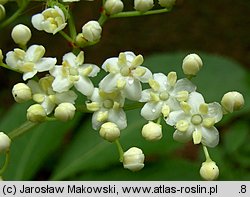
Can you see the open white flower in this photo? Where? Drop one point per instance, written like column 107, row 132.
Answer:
column 30, row 62
column 74, row 72
column 43, row 94
column 107, row 107
column 196, row 120
column 51, row 20
column 125, row 74
column 164, row 95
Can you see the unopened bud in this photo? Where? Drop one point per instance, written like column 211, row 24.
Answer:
column 133, row 159
column 65, row 111
column 143, row 5
column 167, row 3
column 109, row 131
column 191, row 64
column 4, row 142
column 2, row 12
column 232, row 101
column 113, row 6
column 21, row 34
column 152, row 131
column 209, row 170
column 21, row 92
column 80, row 40
column 92, row 31
column 36, row 113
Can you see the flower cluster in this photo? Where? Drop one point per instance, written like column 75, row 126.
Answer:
column 166, row 97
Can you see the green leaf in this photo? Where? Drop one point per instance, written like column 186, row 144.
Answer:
column 30, row 151
column 235, row 137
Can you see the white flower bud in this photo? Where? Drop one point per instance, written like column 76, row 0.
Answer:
column 191, row 65
column 152, row 131
column 65, row 111
column 80, row 40
column 209, row 170
column 92, row 31
column 36, row 113
column 21, row 92
column 2, row 12
column 4, row 142
column 167, row 3
column 109, row 131
column 21, row 34
column 133, row 159
column 3, row 1
column 232, row 101
column 143, row 5
column 113, row 6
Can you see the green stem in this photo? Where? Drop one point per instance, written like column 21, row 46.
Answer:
column 103, row 18
column 15, row 15
column 26, row 126
column 137, row 13
column 158, row 120
column 120, row 150
column 9, row 68
column 6, row 162
column 66, row 36
column 72, row 27
column 206, row 153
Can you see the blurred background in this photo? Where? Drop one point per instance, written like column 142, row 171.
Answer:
column 218, row 30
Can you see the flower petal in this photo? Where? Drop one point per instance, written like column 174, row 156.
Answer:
column 94, row 72
column 151, row 111
column 184, row 85
column 109, row 82
column 133, row 89
column 34, row 86
column 45, row 64
column 111, row 64
column 148, row 75
column 175, row 116
column 145, row 95
column 36, row 21
column 210, row 136
column 215, row 111
column 61, row 84
column 66, row 97
column 85, row 86
column 11, row 59
column 96, row 124
column 162, row 80
column 195, row 100
column 29, row 75
column 183, row 136
column 118, row 117
column 48, row 105
column 70, row 58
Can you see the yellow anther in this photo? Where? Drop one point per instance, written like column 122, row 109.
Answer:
column 172, row 78
column 110, row 69
column 208, row 122
column 122, row 59
column 154, row 97
column 182, row 96
column 120, row 84
column 182, row 125
column 197, row 136
column 52, row 98
column 38, row 54
column 137, row 61
column 102, row 116
column 93, row 106
column 45, row 83
column 27, row 67
column 116, row 106
column 165, row 110
column 39, row 98
column 185, row 106
column 80, row 58
column 139, row 71
column 154, row 84
column 203, row 108
column 19, row 53
column 87, row 70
